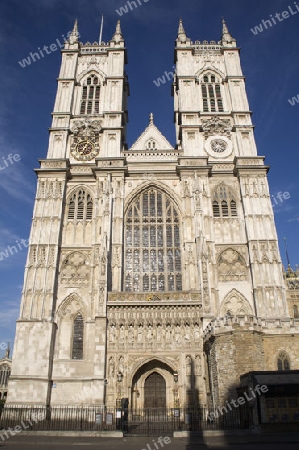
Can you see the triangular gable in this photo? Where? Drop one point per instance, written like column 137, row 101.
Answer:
column 151, row 134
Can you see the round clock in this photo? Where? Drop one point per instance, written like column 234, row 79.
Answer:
column 218, row 145
column 84, row 150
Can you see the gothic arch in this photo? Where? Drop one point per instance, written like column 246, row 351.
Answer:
column 282, row 361
column 71, row 306
column 231, row 266
column 235, row 304
column 210, row 69
column 161, row 360
column 156, row 185
column 79, row 187
column 93, row 70
column 152, row 243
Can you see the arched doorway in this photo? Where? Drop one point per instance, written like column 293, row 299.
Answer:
column 155, row 391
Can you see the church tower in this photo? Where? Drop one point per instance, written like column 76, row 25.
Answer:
column 66, row 277
column 153, row 273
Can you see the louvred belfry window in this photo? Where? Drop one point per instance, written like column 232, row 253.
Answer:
column 224, row 205
column 80, row 206
column 211, row 94
column 90, row 96
column 152, row 251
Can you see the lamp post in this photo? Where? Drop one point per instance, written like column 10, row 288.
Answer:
column 119, row 380
column 118, row 401
column 176, row 390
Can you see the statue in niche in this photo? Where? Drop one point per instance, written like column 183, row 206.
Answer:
column 168, row 332
column 111, row 367
column 112, row 333
column 196, row 332
column 177, row 336
column 131, row 333
column 103, row 266
column 122, row 333
column 150, row 333
column 121, row 365
column 140, row 334
column 159, row 333
column 197, row 364
column 187, row 333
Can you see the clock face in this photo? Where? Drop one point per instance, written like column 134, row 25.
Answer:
column 84, row 150
column 218, row 145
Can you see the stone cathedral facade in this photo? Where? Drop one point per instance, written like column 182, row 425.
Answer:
column 153, row 272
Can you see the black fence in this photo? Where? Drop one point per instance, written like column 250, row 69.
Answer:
column 146, row 422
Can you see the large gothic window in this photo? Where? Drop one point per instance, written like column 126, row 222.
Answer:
column 77, row 350
column 90, row 96
column 211, row 94
column 152, row 244
column 224, row 203
column 80, row 206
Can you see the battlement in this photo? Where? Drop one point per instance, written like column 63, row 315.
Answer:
column 227, row 324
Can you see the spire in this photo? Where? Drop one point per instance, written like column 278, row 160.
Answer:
column 75, row 29
column 181, row 32
column 226, row 36
column 151, row 119
column 117, row 37
column 73, row 39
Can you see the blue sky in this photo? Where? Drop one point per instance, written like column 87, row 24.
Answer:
column 270, row 61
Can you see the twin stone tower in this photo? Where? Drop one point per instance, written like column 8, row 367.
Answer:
column 153, row 272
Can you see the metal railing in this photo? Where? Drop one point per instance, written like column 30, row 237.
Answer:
column 155, row 421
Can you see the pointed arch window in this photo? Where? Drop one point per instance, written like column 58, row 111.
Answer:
column 90, row 101
column 283, row 362
column 78, row 337
column 152, row 252
column 211, row 94
column 80, row 206
column 224, row 204
column 296, row 312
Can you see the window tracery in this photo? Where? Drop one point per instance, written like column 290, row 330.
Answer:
column 211, row 94
column 80, row 206
column 283, row 361
column 90, row 100
column 152, row 244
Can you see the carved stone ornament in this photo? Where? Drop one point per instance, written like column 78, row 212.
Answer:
column 216, row 126
column 75, row 269
column 86, row 127
column 231, row 266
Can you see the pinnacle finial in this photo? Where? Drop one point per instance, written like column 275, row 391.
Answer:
column 73, row 38
column 224, row 27
column 181, row 33
column 118, row 34
column 226, row 36
column 118, row 28
column 151, row 119
column 181, row 28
